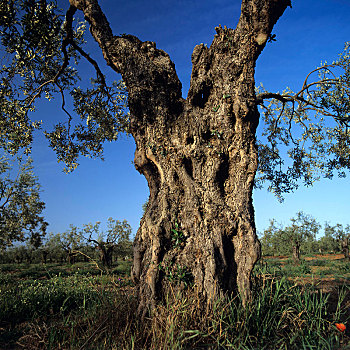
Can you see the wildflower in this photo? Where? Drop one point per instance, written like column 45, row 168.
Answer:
column 340, row 326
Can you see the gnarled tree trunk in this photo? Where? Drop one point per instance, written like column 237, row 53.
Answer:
column 296, row 252
column 345, row 248
column 198, row 155
column 106, row 255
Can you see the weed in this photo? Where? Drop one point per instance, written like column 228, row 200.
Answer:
column 318, row 262
column 177, row 236
column 344, row 268
column 291, row 270
column 176, row 273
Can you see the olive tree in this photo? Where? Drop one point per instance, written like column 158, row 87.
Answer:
column 20, row 203
column 52, row 250
column 303, row 228
column 108, row 242
column 338, row 238
column 272, row 242
column 70, row 242
column 200, row 154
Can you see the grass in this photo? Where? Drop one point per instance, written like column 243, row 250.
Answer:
column 75, row 310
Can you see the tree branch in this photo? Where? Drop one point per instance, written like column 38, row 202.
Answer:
column 258, row 18
column 148, row 72
column 7, row 198
column 66, row 41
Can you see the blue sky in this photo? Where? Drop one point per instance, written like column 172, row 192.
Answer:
column 311, row 32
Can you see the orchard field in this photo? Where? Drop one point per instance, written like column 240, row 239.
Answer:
column 86, row 306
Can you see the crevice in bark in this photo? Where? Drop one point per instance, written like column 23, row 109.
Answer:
column 152, row 175
column 222, row 173
column 207, row 135
column 230, row 273
column 189, row 140
column 201, row 96
column 187, row 162
column 176, row 177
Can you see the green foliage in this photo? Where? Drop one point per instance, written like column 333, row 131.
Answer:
column 272, row 240
column 292, row 270
column 302, row 229
column 42, row 49
column 115, row 239
column 310, row 127
column 279, row 240
column 39, row 298
column 20, row 204
column 71, row 239
column 335, row 236
column 302, row 232
column 176, row 273
column 318, row 262
column 177, row 236
column 117, row 231
column 344, row 268
column 76, row 310
column 18, row 272
column 74, row 245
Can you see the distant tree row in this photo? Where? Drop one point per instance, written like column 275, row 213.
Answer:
column 77, row 244
column 21, row 222
column 300, row 237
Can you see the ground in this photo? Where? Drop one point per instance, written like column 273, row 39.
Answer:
column 73, row 306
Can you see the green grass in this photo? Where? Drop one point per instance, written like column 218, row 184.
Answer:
column 75, row 310
column 41, row 271
column 319, row 262
column 316, row 268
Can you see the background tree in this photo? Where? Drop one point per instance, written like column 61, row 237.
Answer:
column 345, row 242
column 70, row 241
column 199, row 154
column 116, row 237
column 299, row 235
column 303, row 229
column 20, row 204
column 272, row 242
column 327, row 243
column 338, row 238
column 52, row 248
column 331, row 240
column 124, row 249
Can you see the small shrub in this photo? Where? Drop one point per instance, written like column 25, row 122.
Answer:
column 318, row 262
column 296, row 270
column 344, row 268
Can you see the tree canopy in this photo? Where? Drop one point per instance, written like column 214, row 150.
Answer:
column 305, row 135
column 20, row 204
column 301, row 235
column 113, row 239
column 309, row 127
column 41, row 51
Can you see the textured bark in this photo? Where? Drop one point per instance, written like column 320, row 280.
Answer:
column 106, row 255
column 198, row 155
column 106, row 251
column 345, row 248
column 296, row 253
